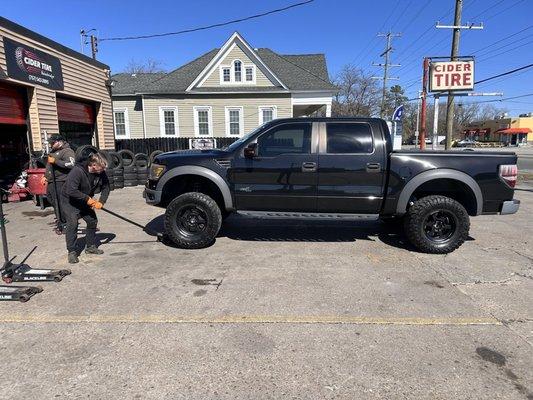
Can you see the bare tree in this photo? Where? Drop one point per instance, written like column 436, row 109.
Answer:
column 358, row 94
column 148, row 66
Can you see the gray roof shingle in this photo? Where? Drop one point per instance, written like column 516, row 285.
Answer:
column 297, row 72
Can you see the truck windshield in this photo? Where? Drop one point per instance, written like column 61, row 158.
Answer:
column 238, row 142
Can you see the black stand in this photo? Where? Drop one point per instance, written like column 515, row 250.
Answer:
column 13, row 293
column 21, row 272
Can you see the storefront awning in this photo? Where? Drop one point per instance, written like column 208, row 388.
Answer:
column 514, row 131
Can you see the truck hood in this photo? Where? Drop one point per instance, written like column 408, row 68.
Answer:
column 179, row 156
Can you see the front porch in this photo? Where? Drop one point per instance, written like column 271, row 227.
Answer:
column 311, row 104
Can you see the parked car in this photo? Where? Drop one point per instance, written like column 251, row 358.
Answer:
column 465, row 143
column 331, row 168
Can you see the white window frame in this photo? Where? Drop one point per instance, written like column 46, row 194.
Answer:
column 162, row 110
column 252, row 82
column 126, row 123
column 233, row 70
column 260, row 112
column 241, row 120
column 222, row 68
column 209, row 110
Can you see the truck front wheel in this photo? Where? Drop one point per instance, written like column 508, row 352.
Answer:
column 192, row 220
column 437, row 224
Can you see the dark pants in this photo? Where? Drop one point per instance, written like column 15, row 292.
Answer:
column 72, row 215
column 53, row 199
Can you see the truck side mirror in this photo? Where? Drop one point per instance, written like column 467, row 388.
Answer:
column 250, row 151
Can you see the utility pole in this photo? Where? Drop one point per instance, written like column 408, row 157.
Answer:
column 386, row 65
column 94, row 46
column 425, row 68
column 453, row 57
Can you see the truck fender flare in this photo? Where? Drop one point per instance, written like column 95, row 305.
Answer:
column 201, row 171
column 443, row 173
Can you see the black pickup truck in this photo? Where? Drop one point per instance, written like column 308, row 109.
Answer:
column 333, row 168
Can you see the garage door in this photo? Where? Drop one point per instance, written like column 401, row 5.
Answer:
column 12, row 105
column 75, row 111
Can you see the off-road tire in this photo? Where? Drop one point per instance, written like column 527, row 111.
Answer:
column 209, row 209
column 416, row 218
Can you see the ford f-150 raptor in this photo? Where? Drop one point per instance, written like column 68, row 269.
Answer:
column 334, row 168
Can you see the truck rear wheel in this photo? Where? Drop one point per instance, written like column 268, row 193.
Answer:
column 437, row 224
column 192, row 220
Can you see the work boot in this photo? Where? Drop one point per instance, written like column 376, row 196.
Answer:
column 93, row 250
column 73, row 257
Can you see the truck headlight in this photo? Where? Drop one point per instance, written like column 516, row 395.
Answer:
column 156, row 171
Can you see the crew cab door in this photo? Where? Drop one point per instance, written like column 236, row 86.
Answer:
column 351, row 162
column 283, row 175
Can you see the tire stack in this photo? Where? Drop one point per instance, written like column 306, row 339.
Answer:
column 141, row 163
column 115, row 169
column 153, row 155
column 130, row 170
column 109, row 169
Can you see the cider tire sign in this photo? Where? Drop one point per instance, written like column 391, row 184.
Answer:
column 451, row 75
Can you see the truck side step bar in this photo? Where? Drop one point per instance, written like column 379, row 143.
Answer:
column 311, row 216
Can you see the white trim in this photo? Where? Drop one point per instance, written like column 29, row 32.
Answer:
column 260, row 113
column 254, row 74
column 162, row 109
column 126, row 123
column 221, row 74
column 209, row 110
column 241, row 120
column 143, row 116
column 217, row 60
column 234, row 72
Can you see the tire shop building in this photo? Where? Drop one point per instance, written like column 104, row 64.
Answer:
column 47, row 88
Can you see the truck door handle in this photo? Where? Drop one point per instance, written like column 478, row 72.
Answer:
column 309, row 167
column 373, row 167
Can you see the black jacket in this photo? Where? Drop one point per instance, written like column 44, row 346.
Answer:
column 81, row 185
column 64, row 163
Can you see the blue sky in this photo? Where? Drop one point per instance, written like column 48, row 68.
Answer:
column 342, row 29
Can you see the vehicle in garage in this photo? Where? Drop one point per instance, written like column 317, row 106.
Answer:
column 333, row 168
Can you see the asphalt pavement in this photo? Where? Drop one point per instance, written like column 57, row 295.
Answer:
column 274, row 309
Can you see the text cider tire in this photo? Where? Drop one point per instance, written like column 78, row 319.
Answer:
column 437, row 224
column 192, row 220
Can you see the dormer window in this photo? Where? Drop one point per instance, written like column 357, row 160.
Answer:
column 237, row 70
column 237, row 73
column 226, row 74
column 249, row 74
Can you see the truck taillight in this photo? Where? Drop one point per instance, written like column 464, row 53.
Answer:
column 509, row 173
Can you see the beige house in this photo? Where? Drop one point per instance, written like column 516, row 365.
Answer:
column 223, row 93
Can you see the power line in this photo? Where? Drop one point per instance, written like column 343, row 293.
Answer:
column 500, row 100
column 504, row 52
column 504, row 73
column 484, row 54
column 234, row 21
column 501, row 40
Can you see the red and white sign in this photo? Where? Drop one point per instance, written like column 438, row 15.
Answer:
column 451, row 75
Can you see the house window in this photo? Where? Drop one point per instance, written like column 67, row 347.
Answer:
column 249, row 74
column 202, row 121
column 121, row 123
column 234, row 123
column 226, row 75
column 237, row 70
column 267, row 114
column 168, row 120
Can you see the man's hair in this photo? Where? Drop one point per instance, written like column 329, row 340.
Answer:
column 97, row 159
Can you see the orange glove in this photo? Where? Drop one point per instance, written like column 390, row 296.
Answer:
column 43, row 180
column 94, row 203
column 51, row 160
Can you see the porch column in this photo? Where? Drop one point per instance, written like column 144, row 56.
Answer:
column 328, row 110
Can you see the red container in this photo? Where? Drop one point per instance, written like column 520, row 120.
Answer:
column 35, row 186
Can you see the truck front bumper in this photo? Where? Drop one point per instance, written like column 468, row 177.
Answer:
column 152, row 196
column 510, row 207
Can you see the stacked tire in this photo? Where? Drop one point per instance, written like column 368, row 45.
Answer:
column 153, row 155
column 115, row 169
column 109, row 169
column 130, row 170
column 141, row 163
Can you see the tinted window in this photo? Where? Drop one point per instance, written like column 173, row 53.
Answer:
column 285, row 139
column 349, row 138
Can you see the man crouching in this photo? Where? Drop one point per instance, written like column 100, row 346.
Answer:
column 86, row 178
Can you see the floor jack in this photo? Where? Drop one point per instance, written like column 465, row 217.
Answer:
column 22, row 272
